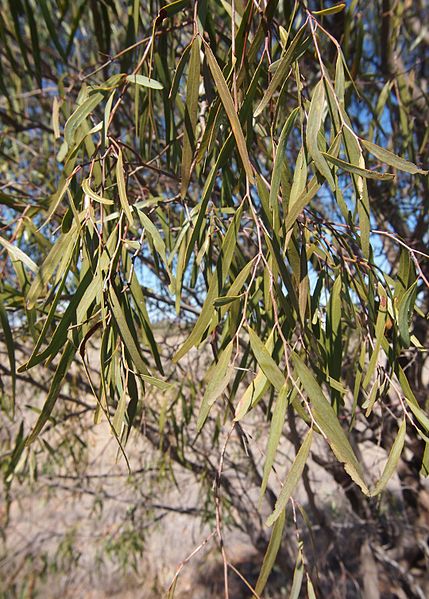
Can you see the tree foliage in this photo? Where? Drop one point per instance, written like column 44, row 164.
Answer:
column 249, row 177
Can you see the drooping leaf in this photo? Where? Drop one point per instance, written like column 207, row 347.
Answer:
column 230, row 110
column 292, row 478
column 79, row 115
column 217, row 380
column 208, row 309
column 271, row 553
column 276, row 428
column 298, row 575
column 327, row 421
column 91, row 194
column 120, row 179
column 10, row 346
column 53, row 393
column 392, row 461
column 296, row 47
column 191, row 114
column 266, row 362
column 404, row 314
column 315, row 119
column 281, row 157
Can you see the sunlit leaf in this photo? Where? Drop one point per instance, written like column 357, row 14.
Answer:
column 391, row 159
column 327, row 421
column 144, row 81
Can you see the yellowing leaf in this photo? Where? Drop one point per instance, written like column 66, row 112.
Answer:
column 332, row 10
column 91, row 194
column 16, row 254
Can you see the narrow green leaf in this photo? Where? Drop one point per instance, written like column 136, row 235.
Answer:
column 79, row 115
column 362, row 172
column 297, row 205
column 281, row 157
column 315, row 117
column 271, row 553
column 379, row 334
column 292, row 478
column 120, row 179
column 340, row 83
column 52, row 28
column 310, row 590
column 57, row 197
column 419, row 414
column 144, row 81
column 355, row 157
column 179, row 72
column 55, row 120
column 218, row 378
column 298, row 575
column 225, row 300
column 10, row 346
column 191, row 115
column 266, row 362
column 106, row 118
column 35, row 44
column 157, row 241
column 251, row 396
column 60, row 334
column 208, row 309
column 332, row 10
column 127, row 337
column 118, row 418
column 53, row 393
column 228, row 104
column 60, row 249
column 392, row 159
column 171, row 9
column 91, row 194
column 392, row 460
column 327, row 421
column 291, row 54
column 16, row 454
column 405, row 313
column 276, row 428
column 299, row 179
column 16, row 254
column 256, row 388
